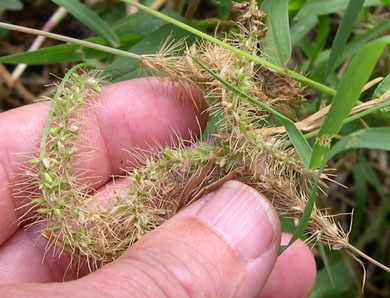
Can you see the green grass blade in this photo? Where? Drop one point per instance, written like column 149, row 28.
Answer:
column 370, row 138
column 351, row 48
column 11, row 5
column 300, row 28
column 323, row 32
column 322, row 7
column 382, row 87
column 375, row 228
column 306, row 213
column 67, row 52
column 277, row 44
column 347, row 94
column 90, row 19
column 295, row 4
column 326, row 264
column 361, row 197
column 342, row 34
column 343, row 278
column 375, row 180
column 300, row 144
column 293, row 8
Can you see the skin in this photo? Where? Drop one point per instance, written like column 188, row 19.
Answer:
column 185, row 257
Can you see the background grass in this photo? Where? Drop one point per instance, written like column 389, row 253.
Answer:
column 339, row 43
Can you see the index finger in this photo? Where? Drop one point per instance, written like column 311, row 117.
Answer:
column 130, row 114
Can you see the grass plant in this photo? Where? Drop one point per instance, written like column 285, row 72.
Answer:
column 247, row 85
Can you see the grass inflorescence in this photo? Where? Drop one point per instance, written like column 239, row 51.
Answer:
column 164, row 182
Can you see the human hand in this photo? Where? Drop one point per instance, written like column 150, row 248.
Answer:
column 224, row 245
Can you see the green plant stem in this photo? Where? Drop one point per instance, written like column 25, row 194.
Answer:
column 70, row 40
column 281, row 70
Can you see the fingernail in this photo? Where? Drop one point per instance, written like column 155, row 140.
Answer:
column 243, row 217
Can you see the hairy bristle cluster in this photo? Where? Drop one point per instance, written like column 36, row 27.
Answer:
column 263, row 161
column 166, row 181
column 63, row 194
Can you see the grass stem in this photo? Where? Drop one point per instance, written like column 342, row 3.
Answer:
column 82, row 43
column 368, row 258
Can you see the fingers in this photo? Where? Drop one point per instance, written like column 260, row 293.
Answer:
column 294, row 273
column 23, row 259
column 131, row 114
column 222, row 246
column 27, row 257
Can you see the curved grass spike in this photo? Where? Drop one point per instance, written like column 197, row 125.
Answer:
column 42, row 148
column 300, row 144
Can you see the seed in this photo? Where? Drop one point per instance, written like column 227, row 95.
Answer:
column 137, row 176
column 91, row 81
column 54, row 130
column 74, row 128
column 222, row 162
column 46, row 162
column 53, row 197
column 34, row 161
column 75, row 76
column 168, row 153
column 337, row 246
column 61, row 147
column 42, row 211
column 47, row 178
column 96, row 88
column 57, row 213
column 37, row 201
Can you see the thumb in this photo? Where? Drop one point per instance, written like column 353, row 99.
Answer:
column 224, row 245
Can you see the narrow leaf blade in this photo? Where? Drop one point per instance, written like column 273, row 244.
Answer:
column 90, row 19
column 348, row 92
column 344, row 30
column 361, row 197
column 382, row 87
column 277, row 42
column 323, row 32
column 326, row 264
column 11, row 5
column 322, row 7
